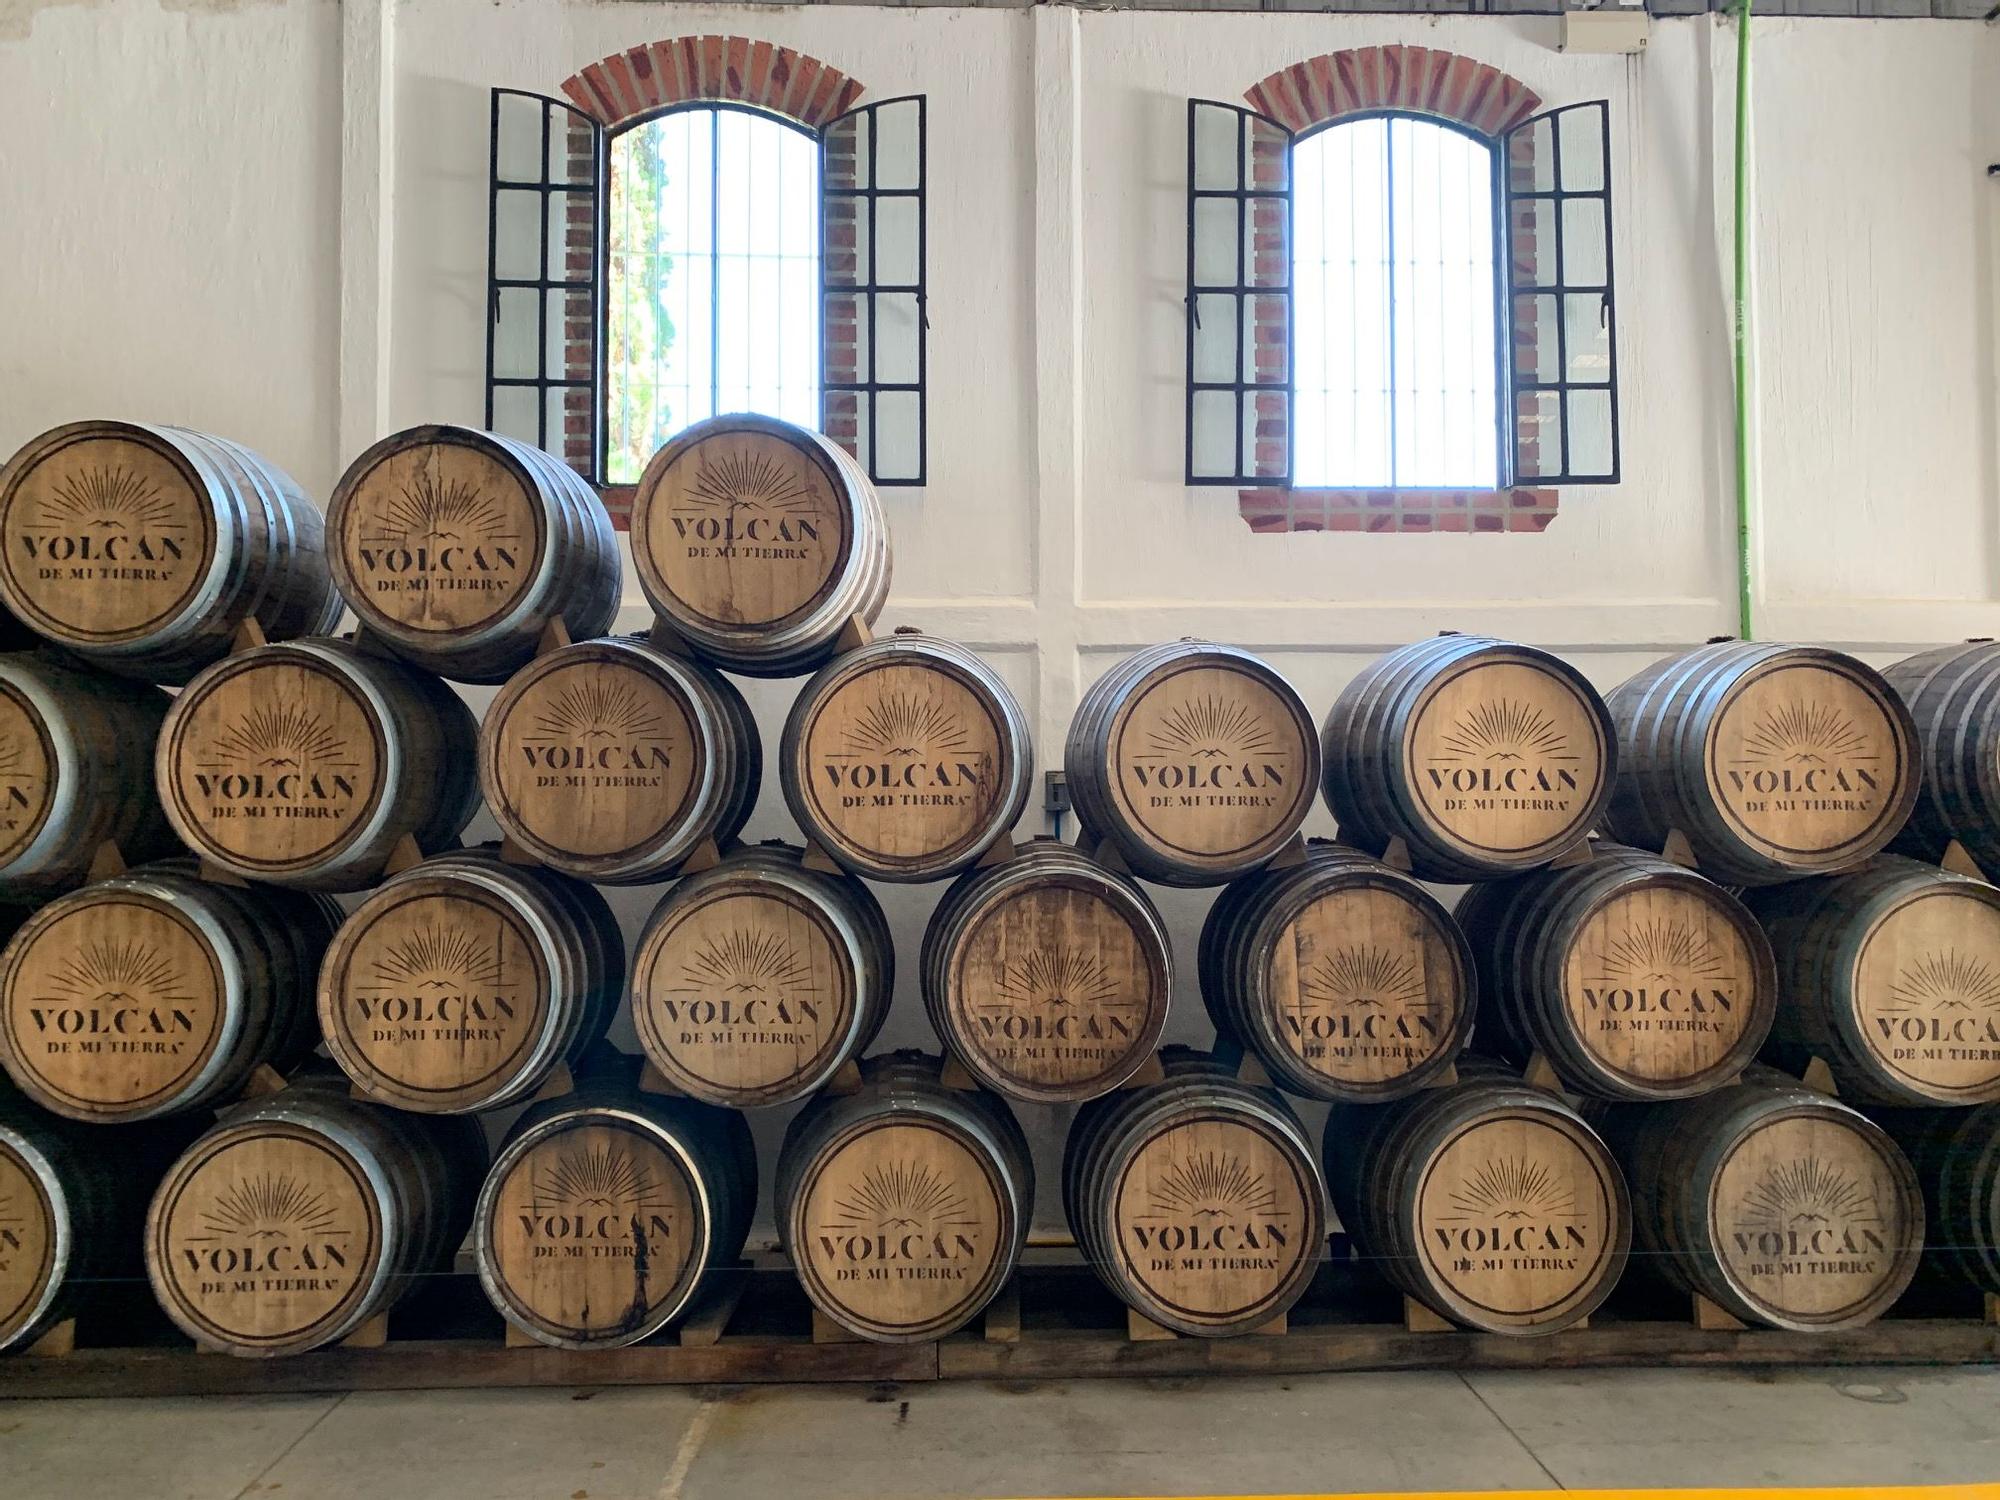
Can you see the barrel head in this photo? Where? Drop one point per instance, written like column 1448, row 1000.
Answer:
column 31, row 1244
column 107, row 533
column 30, row 774
column 264, row 1239
column 1925, row 993
column 112, row 1005
column 436, row 533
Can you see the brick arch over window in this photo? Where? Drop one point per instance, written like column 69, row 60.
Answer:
column 1321, row 91
column 687, row 69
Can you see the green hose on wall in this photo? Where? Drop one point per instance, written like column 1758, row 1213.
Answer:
column 1741, row 331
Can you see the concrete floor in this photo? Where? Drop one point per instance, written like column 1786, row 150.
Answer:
column 1301, row 1435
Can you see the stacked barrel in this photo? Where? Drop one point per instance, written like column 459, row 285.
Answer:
column 1685, row 1009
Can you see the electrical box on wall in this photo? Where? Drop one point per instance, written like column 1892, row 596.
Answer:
column 1607, row 30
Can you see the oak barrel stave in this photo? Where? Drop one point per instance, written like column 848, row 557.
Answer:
column 1953, row 694
column 1956, row 1156
column 1047, row 976
column 1346, row 979
column 933, row 1185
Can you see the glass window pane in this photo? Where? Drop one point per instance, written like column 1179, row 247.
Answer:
column 1585, row 259
column 898, row 261
column 516, row 330
column 1537, row 434
column 514, row 409
column 1587, row 338
column 896, row 338
column 1533, row 242
column 1213, row 438
column 898, row 438
column 1217, row 131
column 1215, row 336
column 1215, row 242
column 1590, row 442
column 520, row 153
column 1536, row 357
column 1580, row 133
column 517, row 235
column 897, row 164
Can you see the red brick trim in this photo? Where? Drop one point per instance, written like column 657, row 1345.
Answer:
column 686, row 69
column 1320, row 91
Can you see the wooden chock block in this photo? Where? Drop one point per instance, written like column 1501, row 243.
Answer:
column 370, row 1335
column 705, row 1326
column 1540, row 1075
column 1149, row 1072
column 997, row 853
column 1249, row 1070
column 1396, row 855
column 554, row 636
column 1819, row 1078
column 58, row 1342
column 1277, row 1328
column 248, row 636
column 1957, row 861
column 1991, row 1311
column 1676, row 849
column 653, row 1081
column 1418, row 1318
column 1107, row 854
column 1445, row 1079
column 513, row 854
column 1141, row 1329
column 846, row 1079
column 216, row 875
column 818, row 859
column 559, row 1082
column 955, row 1075
column 1711, row 1318
column 826, row 1331
column 1582, row 852
column 521, row 1339
column 1003, row 1314
column 705, row 856
column 664, row 637
column 107, row 863
column 263, row 1081
column 853, row 635
column 1293, row 854
column 402, row 855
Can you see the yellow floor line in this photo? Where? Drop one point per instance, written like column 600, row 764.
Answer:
column 1811, row 1492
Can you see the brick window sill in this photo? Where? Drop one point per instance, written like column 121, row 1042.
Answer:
column 1280, row 510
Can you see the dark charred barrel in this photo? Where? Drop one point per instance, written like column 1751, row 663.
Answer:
column 76, row 755
column 933, row 1185
column 1047, row 976
column 1486, row 758
column 1956, row 1156
column 1635, row 978
column 907, row 759
column 1490, row 1202
column 1197, row 1200
column 1780, row 1205
column 1953, row 695
column 72, row 1210
column 1346, row 979
column 301, row 1215
column 606, row 1210
column 1774, row 761
column 464, row 981
column 457, row 548
column 756, row 979
column 154, row 993
column 1194, row 762
column 1892, row 975
column 613, row 760
column 756, row 541
column 305, row 763
column 143, row 548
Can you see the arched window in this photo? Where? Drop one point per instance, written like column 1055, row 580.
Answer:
column 1399, row 283
column 712, row 301
column 710, row 225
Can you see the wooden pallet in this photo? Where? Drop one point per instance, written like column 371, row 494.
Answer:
column 1068, row 1327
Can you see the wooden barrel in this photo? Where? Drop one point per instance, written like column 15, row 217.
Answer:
column 613, row 760
column 756, row 979
column 1956, row 1156
column 1344, row 978
column 1490, row 1202
column 906, row 759
column 1892, row 975
column 155, row 993
column 1633, row 977
column 1774, row 761
column 904, row 1205
column 1781, row 1206
column 1196, row 1200
column 463, row 981
column 76, row 755
column 304, row 764
column 756, row 541
column 606, row 1210
column 1047, row 976
column 457, row 548
column 1953, row 695
column 72, row 1211
column 143, row 548
column 303, row 1214
column 1195, row 762
column 1486, row 758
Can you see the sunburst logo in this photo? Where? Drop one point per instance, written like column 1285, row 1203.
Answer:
column 907, row 724
column 1211, row 1185
column 1950, row 980
column 1511, row 1187
column 1211, row 727
column 1364, row 977
column 1803, row 734
column 594, row 709
column 743, row 962
column 435, row 958
column 119, row 972
column 280, row 737
column 745, row 481
column 1058, row 977
column 108, row 499
column 1503, row 731
column 1668, row 950
column 601, row 1179
column 903, row 1197
column 434, row 512
column 269, row 1206
column 1806, row 1194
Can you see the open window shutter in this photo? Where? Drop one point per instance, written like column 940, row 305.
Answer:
column 542, row 304
column 1557, row 180
column 873, row 332
column 1239, row 297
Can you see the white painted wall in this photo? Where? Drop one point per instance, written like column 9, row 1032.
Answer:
column 268, row 217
